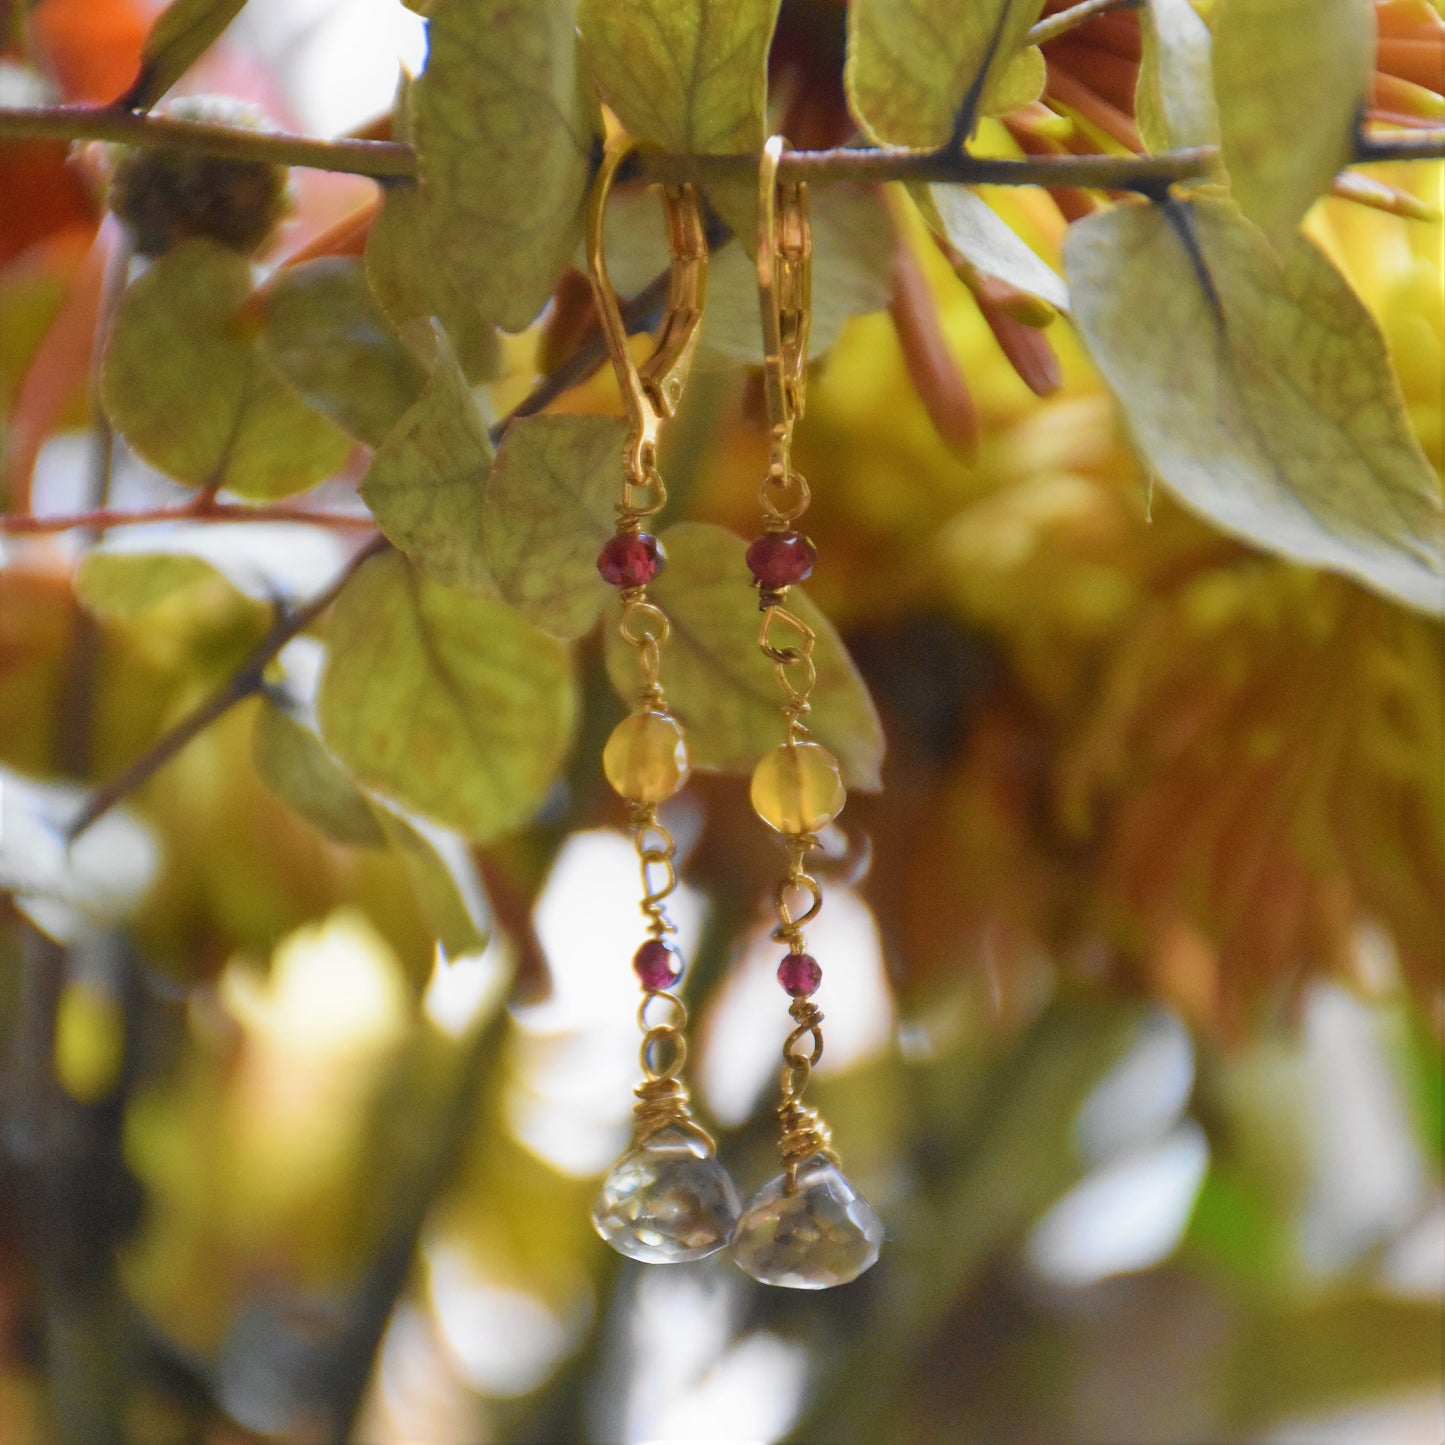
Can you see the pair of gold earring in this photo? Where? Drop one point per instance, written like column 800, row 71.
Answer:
column 669, row 1198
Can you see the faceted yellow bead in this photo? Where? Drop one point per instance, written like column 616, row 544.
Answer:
column 798, row 788
column 646, row 757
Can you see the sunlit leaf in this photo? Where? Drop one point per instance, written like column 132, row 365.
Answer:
column 403, row 264
column 426, row 482
column 503, row 138
column 1290, row 77
column 65, row 888
column 1278, row 419
column 182, row 33
column 852, row 260
column 451, row 704
column 1174, row 96
column 325, row 331
column 550, row 505
column 913, row 63
column 990, row 245
column 719, row 682
column 187, row 385
column 136, row 568
column 686, row 75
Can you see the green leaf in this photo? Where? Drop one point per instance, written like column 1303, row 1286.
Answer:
column 1174, row 95
column 687, row 75
column 181, row 34
column 189, row 388
column 444, row 880
column 912, row 63
column 450, row 704
column 1290, row 77
column 292, row 760
column 425, row 484
column 67, row 889
column 1280, row 419
column 990, row 245
column 325, row 331
column 719, row 682
column 852, row 264
column 550, row 505
column 137, row 569
column 410, row 283
column 503, row 139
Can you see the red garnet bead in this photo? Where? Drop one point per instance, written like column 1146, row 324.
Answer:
column 631, row 559
column 657, row 965
column 800, row 974
column 778, row 559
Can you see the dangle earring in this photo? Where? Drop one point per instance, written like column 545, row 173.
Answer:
column 808, row 1228
column 667, row 1198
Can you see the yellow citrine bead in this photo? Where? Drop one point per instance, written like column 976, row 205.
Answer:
column 798, row 788
column 646, row 757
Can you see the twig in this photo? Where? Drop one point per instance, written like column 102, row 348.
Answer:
column 104, row 518
column 1419, row 145
column 84, row 122
column 247, row 679
column 1053, row 26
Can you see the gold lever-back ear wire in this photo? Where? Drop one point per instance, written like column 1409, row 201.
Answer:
column 808, row 1228
column 667, row 1198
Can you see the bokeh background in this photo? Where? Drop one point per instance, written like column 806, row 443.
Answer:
column 1133, row 969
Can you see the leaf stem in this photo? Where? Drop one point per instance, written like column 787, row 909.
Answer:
column 102, row 519
column 247, row 679
column 1061, row 22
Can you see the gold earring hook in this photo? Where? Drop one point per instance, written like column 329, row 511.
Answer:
column 785, row 277
column 652, row 390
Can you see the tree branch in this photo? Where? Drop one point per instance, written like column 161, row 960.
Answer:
column 1062, row 21
column 246, row 680
column 391, row 160
column 204, row 509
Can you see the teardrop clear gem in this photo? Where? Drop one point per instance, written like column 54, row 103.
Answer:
column 666, row 1201
column 823, row 1233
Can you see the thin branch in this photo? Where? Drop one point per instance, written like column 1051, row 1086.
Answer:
column 1060, row 23
column 247, row 680
column 103, row 518
column 84, row 122
column 1419, row 145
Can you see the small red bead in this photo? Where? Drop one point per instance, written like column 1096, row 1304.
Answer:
column 778, row 559
column 631, row 559
column 657, row 965
column 800, row 974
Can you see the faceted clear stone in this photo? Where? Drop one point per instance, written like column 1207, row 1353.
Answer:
column 666, row 1201
column 822, row 1234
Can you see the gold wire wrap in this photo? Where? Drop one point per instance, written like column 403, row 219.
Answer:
column 650, row 393
column 785, row 250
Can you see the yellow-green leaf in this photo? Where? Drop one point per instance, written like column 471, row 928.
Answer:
column 990, row 245
column 444, row 879
column 1174, row 95
column 852, row 261
column 717, row 679
column 181, row 34
column 426, row 483
column 912, row 63
column 189, row 388
column 335, row 345
column 503, row 138
column 686, row 75
column 550, row 505
column 410, row 283
column 1279, row 419
column 1290, row 77
column 452, row 705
